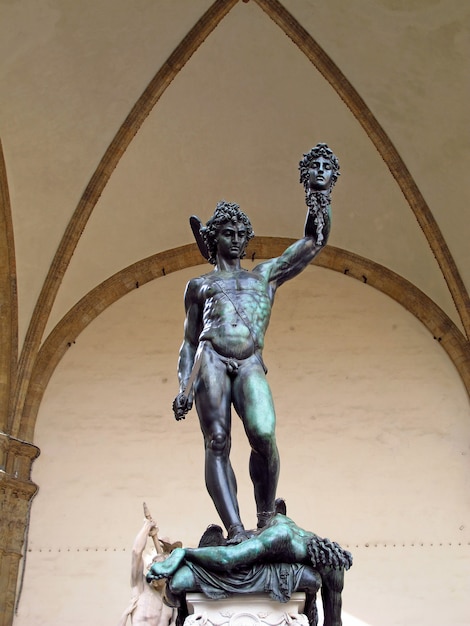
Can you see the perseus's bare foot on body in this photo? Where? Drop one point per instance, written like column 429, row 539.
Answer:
column 166, row 568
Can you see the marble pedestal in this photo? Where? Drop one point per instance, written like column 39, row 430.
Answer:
column 245, row 610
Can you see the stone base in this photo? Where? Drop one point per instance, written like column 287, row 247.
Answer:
column 245, row 610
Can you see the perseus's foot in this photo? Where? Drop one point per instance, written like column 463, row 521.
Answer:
column 264, row 517
column 166, row 568
column 237, row 534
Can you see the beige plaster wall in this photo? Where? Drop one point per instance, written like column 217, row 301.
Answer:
column 373, row 430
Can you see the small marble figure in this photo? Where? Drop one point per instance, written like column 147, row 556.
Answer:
column 146, row 607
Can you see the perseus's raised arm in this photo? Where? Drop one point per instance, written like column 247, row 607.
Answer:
column 319, row 171
column 297, row 256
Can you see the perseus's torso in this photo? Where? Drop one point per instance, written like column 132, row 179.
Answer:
column 236, row 312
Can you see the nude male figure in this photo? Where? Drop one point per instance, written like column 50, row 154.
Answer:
column 146, row 607
column 227, row 314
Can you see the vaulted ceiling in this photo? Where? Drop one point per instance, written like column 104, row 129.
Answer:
column 121, row 119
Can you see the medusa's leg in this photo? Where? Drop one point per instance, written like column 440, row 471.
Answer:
column 310, row 583
column 175, row 592
column 333, row 581
column 180, row 583
column 165, row 569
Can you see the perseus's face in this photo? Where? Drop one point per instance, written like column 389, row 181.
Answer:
column 320, row 173
column 231, row 240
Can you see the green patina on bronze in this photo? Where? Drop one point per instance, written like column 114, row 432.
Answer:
column 227, row 314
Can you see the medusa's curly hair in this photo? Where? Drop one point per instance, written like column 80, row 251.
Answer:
column 321, row 149
column 224, row 212
column 326, row 553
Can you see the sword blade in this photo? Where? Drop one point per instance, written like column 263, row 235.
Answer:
column 194, row 372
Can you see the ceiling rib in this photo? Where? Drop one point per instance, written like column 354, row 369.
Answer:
column 385, row 147
column 8, row 299
column 138, row 114
column 158, row 265
column 144, row 105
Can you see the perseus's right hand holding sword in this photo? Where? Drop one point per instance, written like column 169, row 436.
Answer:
column 182, row 403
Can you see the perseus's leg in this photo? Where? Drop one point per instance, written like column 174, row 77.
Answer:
column 253, row 402
column 213, row 404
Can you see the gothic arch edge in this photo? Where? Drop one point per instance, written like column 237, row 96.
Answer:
column 156, row 266
column 129, row 128
column 377, row 135
column 275, row 10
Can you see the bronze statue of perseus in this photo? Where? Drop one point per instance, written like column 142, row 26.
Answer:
column 221, row 358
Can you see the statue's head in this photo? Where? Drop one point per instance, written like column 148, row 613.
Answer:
column 224, row 213
column 322, row 154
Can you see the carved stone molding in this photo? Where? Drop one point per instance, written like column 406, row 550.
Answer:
column 245, row 610
column 16, row 492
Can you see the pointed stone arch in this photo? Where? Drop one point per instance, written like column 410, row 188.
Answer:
column 331, row 72
column 164, row 263
column 139, row 112
column 207, row 23
column 8, row 298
